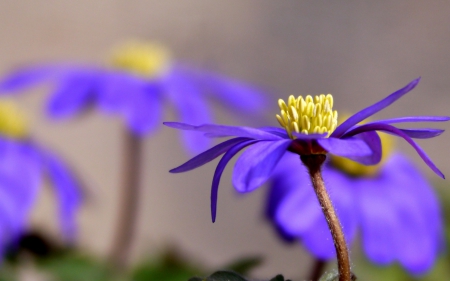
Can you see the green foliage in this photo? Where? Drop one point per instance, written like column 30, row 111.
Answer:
column 75, row 267
column 225, row 275
column 168, row 268
column 244, row 265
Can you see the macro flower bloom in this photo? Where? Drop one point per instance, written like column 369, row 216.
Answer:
column 310, row 128
column 391, row 205
column 23, row 164
column 139, row 78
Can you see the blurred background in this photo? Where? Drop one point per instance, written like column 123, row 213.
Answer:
column 359, row 51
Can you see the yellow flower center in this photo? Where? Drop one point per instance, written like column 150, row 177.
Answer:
column 358, row 170
column 308, row 116
column 142, row 58
column 12, row 122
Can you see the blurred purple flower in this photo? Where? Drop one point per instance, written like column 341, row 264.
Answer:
column 395, row 211
column 22, row 167
column 360, row 143
column 135, row 87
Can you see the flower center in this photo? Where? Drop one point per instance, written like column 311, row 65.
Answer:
column 142, row 58
column 12, row 122
column 308, row 116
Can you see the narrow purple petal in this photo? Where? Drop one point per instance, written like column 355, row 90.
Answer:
column 412, row 119
column 219, row 170
column 208, row 155
column 223, row 130
column 400, row 133
column 350, row 147
column 422, row 133
column 256, row 164
column 374, row 108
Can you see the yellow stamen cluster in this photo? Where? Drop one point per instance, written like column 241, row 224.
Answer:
column 147, row 59
column 12, row 122
column 308, row 116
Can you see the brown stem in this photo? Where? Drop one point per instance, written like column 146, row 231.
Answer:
column 313, row 163
column 316, row 273
column 129, row 198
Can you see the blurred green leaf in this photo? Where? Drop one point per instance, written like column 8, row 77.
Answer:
column 75, row 267
column 245, row 265
column 225, row 276
column 169, row 267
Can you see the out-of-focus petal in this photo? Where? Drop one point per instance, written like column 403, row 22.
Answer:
column 256, row 164
column 223, row 130
column 417, row 207
column 235, row 94
column 26, row 77
column 374, row 108
column 73, row 93
column 143, row 108
column 190, row 107
column 67, row 191
column 219, row 170
column 400, row 133
column 378, row 219
column 114, row 89
column 19, row 180
column 208, row 155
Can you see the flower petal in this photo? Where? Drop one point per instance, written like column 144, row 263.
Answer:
column 350, row 147
column 374, row 108
column 412, row 119
column 219, row 170
column 26, row 77
column 400, row 133
column 223, row 130
column 256, row 164
column 72, row 94
column 230, row 92
column 423, row 133
column 190, row 107
column 68, row 193
column 208, row 155
column 143, row 108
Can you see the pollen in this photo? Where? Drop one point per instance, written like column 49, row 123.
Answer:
column 12, row 121
column 142, row 58
column 307, row 115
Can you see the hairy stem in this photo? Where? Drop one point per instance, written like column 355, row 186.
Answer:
column 317, row 270
column 313, row 163
column 129, row 201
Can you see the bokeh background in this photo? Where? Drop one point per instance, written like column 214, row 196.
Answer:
column 359, row 51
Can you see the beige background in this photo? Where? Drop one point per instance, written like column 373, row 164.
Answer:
column 358, row 50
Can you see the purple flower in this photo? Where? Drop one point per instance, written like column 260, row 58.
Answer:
column 140, row 79
column 23, row 165
column 266, row 146
column 395, row 210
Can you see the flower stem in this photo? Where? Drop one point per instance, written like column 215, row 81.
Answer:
column 129, row 197
column 316, row 273
column 313, row 163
